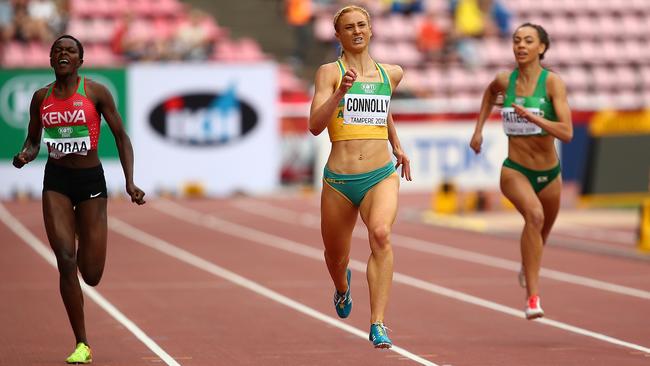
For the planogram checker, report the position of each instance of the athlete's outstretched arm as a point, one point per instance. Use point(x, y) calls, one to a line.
point(326, 97)
point(106, 107)
point(557, 91)
point(34, 131)
point(496, 87)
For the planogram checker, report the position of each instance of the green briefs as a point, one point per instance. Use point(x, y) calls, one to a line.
point(537, 178)
point(355, 186)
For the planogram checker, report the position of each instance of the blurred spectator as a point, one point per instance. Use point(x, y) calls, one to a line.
point(501, 17)
point(430, 38)
point(406, 7)
point(193, 38)
point(469, 25)
point(298, 14)
point(6, 20)
point(125, 41)
point(22, 29)
point(46, 18)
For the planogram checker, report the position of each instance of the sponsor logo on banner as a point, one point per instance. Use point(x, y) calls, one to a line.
point(203, 119)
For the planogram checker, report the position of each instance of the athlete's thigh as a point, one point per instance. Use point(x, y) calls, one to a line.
point(338, 218)
point(379, 206)
point(550, 199)
point(58, 216)
point(516, 187)
point(91, 228)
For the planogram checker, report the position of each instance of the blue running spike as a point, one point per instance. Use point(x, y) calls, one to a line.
point(343, 302)
point(379, 336)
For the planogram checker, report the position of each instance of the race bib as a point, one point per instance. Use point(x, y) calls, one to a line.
point(369, 110)
point(513, 124)
point(61, 141)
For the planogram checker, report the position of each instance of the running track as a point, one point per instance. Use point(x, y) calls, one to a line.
point(242, 281)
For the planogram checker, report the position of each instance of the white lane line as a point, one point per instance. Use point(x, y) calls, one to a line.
point(207, 266)
point(31, 240)
point(197, 218)
point(312, 221)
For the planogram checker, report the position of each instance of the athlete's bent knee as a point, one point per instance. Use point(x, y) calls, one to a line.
point(380, 237)
point(535, 218)
point(67, 264)
point(93, 278)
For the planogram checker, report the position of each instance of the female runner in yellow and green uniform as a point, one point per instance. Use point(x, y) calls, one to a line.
point(352, 100)
point(535, 112)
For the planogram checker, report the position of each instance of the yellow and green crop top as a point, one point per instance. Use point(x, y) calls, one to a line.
point(363, 111)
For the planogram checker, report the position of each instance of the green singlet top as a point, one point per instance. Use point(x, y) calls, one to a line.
point(538, 103)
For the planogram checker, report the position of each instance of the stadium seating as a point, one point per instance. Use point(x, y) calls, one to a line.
point(598, 47)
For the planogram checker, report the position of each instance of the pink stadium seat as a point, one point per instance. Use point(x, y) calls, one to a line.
point(143, 29)
point(413, 81)
point(164, 27)
point(37, 55)
point(604, 78)
point(167, 7)
point(14, 55)
point(323, 29)
point(381, 27)
point(634, 25)
point(118, 8)
point(645, 78)
point(383, 51)
point(609, 26)
point(143, 8)
point(97, 55)
point(576, 78)
point(249, 50)
point(409, 56)
point(79, 28)
point(225, 50)
point(101, 29)
point(81, 8)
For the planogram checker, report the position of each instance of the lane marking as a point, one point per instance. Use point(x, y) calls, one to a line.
point(312, 221)
point(44, 251)
point(197, 218)
point(184, 256)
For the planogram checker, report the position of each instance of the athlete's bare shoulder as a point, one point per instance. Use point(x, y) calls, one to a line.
point(502, 79)
point(95, 90)
point(328, 74)
point(554, 79)
point(39, 94)
point(94, 85)
point(395, 73)
point(330, 68)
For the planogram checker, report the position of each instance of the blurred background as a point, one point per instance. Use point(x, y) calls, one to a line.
point(215, 94)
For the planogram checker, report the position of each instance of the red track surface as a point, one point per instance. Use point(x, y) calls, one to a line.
point(202, 319)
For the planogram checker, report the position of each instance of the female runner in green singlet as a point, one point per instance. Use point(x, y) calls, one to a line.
point(535, 113)
point(351, 100)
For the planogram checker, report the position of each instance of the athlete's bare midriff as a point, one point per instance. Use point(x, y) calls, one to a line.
point(533, 152)
point(358, 156)
point(76, 161)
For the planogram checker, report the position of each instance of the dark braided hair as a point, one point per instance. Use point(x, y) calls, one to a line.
point(79, 46)
point(541, 33)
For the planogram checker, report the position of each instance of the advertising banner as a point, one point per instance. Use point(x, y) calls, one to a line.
point(17, 86)
point(212, 125)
